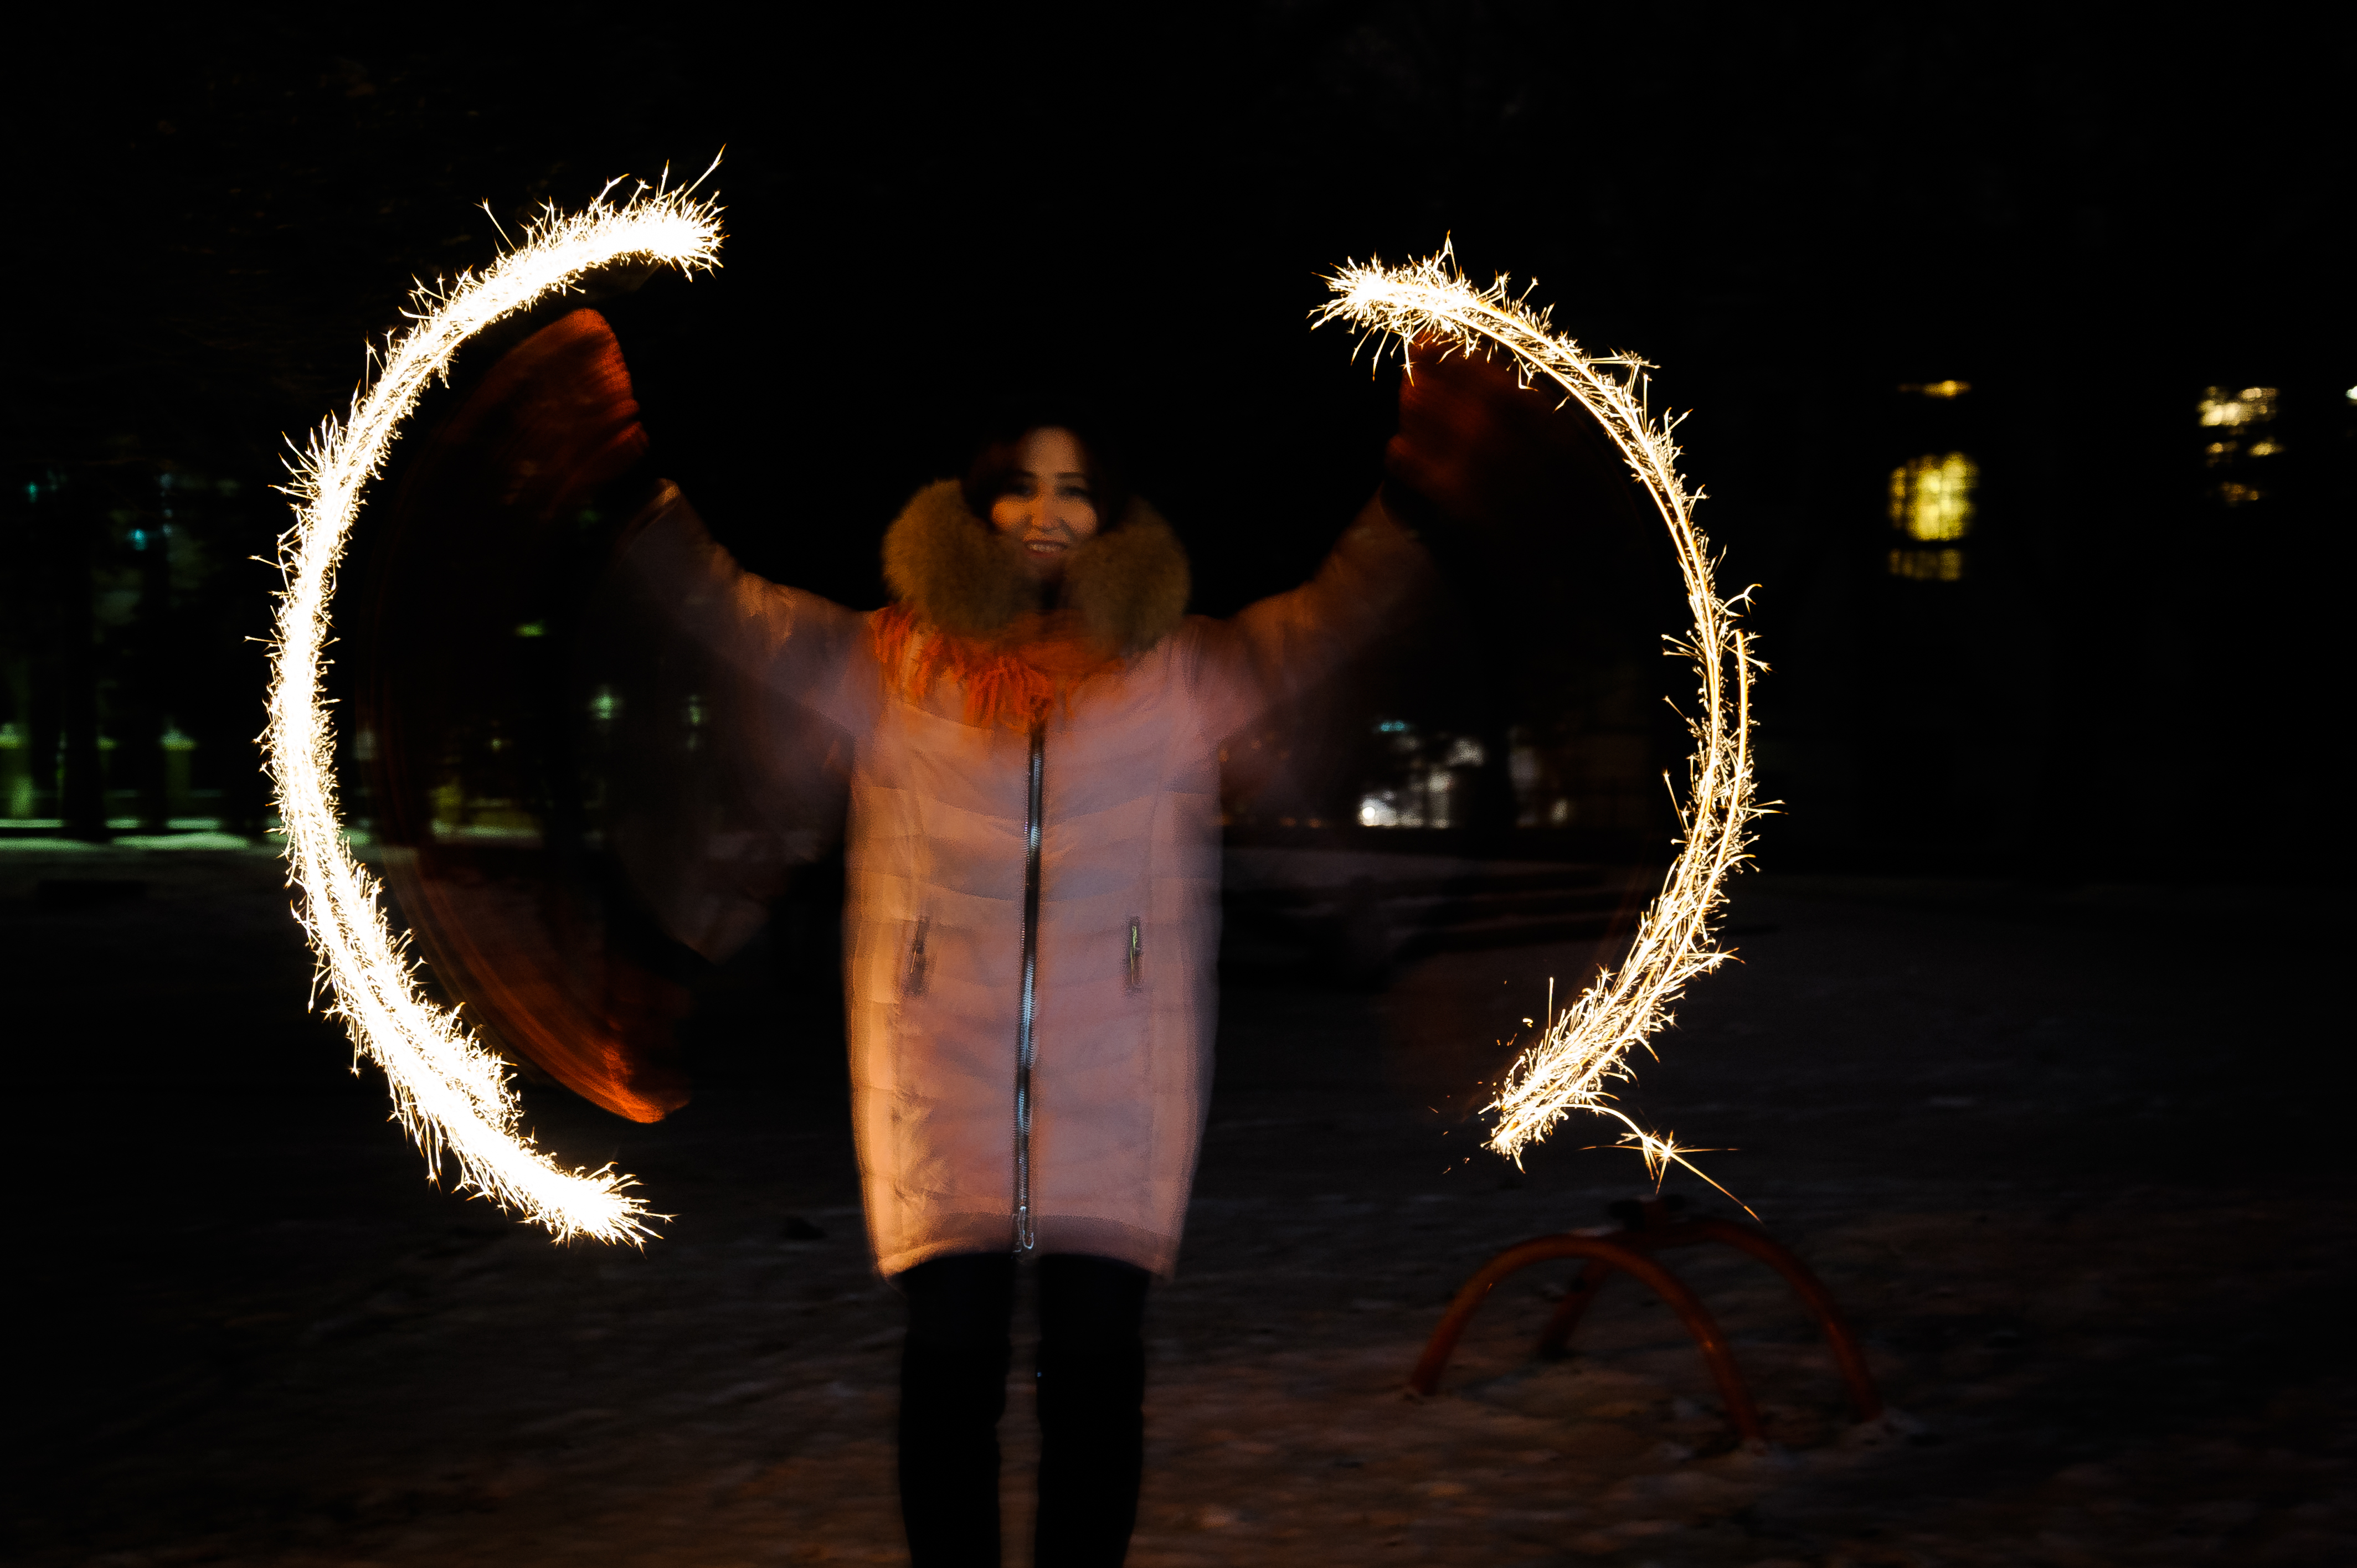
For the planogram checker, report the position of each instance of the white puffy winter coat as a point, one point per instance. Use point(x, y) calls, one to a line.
point(1032, 918)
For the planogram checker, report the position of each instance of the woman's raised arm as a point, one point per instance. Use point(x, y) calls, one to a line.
point(545, 689)
point(733, 704)
point(1281, 652)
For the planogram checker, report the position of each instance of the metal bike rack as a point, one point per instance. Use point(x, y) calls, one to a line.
point(1650, 1225)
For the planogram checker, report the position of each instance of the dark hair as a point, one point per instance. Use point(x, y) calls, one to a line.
point(992, 467)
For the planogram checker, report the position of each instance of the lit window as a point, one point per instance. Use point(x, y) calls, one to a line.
point(1937, 389)
point(1928, 565)
point(1931, 497)
point(2235, 420)
point(2222, 408)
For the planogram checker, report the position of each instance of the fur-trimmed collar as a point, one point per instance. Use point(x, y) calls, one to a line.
point(1127, 587)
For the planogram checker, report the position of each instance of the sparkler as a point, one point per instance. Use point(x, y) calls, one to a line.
point(1585, 1047)
point(450, 1093)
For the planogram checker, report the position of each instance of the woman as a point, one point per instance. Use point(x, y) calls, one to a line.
point(1034, 730)
point(1030, 743)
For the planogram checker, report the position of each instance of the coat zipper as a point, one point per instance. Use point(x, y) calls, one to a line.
point(914, 985)
point(1025, 1046)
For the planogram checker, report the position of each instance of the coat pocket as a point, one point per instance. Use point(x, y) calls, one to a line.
point(912, 978)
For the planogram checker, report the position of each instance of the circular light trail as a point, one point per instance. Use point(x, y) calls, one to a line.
point(450, 1093)
point(1585, 1047)
point(456, 1097)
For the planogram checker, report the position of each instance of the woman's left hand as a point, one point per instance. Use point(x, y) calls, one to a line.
point(1486, 452)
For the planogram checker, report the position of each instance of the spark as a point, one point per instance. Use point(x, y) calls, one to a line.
point(450, 1093)
point(1585, 1047)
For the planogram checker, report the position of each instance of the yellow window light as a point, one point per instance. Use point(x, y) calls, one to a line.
point(2225, 408)
point(1928, 565)
point(1931, 497)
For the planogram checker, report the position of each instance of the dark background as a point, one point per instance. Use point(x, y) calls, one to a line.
point(2070, 1151)
point(2089, 218)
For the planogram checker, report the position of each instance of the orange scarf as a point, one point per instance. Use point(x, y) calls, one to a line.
point(1014, 678)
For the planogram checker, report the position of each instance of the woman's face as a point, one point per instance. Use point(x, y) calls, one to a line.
point(1047, 508)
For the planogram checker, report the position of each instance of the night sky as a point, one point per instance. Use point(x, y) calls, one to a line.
point(2088, 219)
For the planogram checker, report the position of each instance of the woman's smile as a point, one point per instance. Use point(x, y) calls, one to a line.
point(1047, 505)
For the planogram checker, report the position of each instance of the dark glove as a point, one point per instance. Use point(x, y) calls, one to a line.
point(1484, 453)
point(554, 424)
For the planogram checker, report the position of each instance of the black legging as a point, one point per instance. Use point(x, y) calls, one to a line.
point(1091, 1392)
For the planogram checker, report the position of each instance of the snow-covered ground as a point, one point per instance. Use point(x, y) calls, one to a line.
point(2073, 1166)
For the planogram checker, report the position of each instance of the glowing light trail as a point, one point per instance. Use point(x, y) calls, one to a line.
point(450, 1093)
point(1585, 1047)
